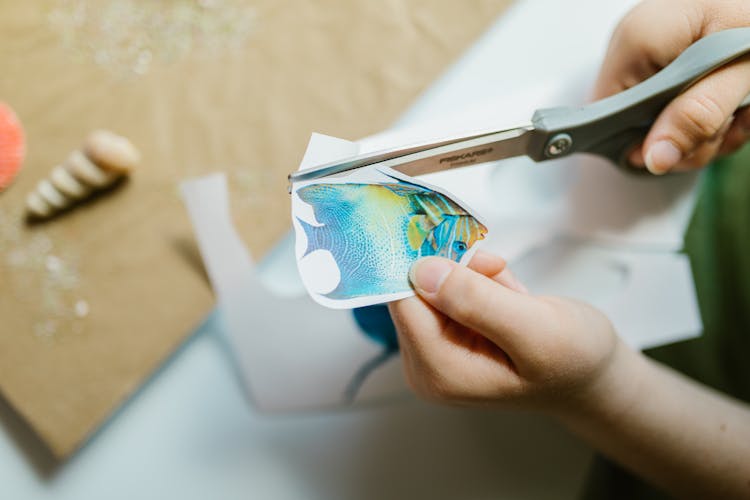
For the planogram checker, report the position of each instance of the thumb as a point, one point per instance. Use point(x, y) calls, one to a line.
point(478, 302)
point(696, 117)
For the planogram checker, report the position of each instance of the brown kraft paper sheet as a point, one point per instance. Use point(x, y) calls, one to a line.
point(94, 300)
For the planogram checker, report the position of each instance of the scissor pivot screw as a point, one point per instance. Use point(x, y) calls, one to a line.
point(558, 145)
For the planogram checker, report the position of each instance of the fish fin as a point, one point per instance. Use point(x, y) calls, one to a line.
point(405, 189)
point(406, 184)
point(429, 246)
point(419, 227)
point(326, 194)
point(308, 193)
point(426, 201)
point(312, 233)
point(441, 204)
point(440, 235)
point(340, 292)
point(315, 193)
point(436, 206)
point(422, 194)
point(480, 229)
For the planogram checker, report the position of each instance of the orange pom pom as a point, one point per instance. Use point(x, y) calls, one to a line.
point(12, 146)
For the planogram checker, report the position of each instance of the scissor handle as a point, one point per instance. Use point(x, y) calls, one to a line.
point(612, 126)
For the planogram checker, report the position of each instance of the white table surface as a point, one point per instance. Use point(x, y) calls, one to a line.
point(190, 432)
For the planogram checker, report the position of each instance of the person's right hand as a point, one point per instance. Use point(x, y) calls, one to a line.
point(701, 123)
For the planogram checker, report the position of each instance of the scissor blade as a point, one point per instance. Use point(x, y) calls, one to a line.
point(484, 149)
point(426, 158)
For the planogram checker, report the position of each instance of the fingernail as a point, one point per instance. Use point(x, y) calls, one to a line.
point(428, 274)
point(661, 157)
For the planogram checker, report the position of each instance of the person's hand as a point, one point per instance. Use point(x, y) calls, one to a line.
point(701, 123)
point(475, 335)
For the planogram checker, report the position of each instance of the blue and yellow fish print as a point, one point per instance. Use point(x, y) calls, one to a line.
point(374, 232)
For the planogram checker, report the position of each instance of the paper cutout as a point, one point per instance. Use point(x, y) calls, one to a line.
point(358, 234)
point(602, 206)
point(295, 355)
point(292, 353)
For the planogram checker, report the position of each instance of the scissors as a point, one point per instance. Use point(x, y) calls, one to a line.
point(610, 127)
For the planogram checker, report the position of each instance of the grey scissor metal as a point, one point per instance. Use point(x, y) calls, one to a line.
point(610, 127)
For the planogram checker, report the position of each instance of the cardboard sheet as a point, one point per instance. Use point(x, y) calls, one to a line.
point(127, 284)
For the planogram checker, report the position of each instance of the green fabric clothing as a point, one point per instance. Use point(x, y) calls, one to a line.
point(718, 245)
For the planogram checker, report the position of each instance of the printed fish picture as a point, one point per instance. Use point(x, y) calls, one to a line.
point(373, 230)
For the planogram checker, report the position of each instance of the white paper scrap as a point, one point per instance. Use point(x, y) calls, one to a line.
point(630, 210)
point(648, 296)
point(292, 353)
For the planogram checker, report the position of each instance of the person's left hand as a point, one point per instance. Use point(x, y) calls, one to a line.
point(475, 335)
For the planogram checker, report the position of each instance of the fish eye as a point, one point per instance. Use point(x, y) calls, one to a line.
point(459, 246)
